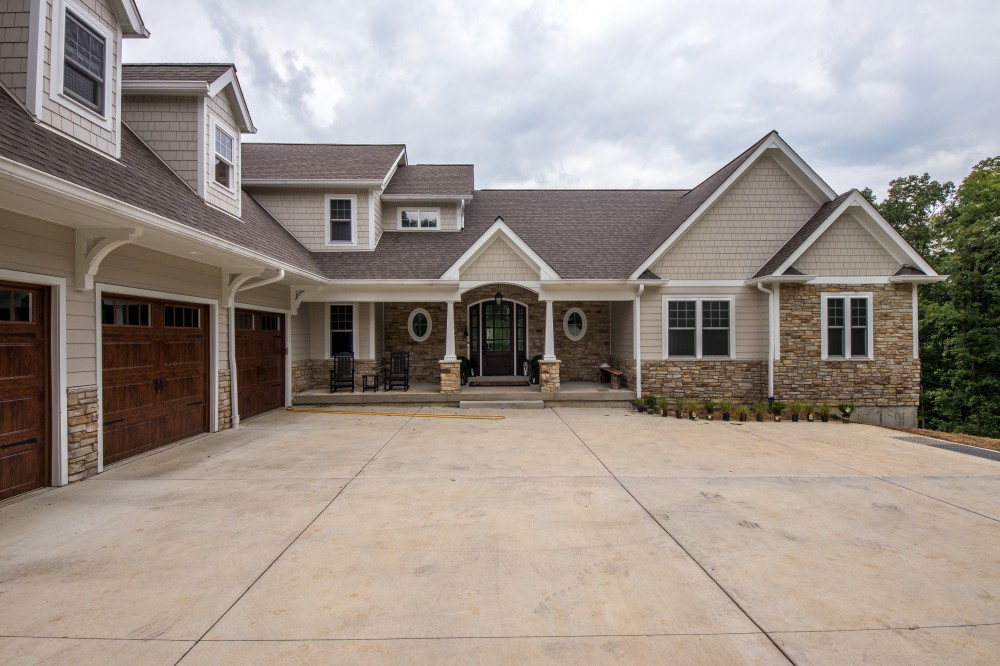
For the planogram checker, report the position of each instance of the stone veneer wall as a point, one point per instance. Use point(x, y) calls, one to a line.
point(742, 381)
point(225, 400)
point(536, 315)
point(581, 358)
point(891, 379)
point(317, 373)
point(301, 375)
point(626, 365)
point(82, 415)
point(424, 356)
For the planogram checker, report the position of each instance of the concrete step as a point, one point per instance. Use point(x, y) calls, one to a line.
point(501, 404)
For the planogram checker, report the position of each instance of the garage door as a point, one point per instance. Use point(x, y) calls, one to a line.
point(155, 374)
point(24, 389)
point(260, 361)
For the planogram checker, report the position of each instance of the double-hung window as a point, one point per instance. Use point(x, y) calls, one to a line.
point(341, 221)
point(847, 330)
point(341, 329)
point(84, 69)
point(419, 218)
point(224, 160)
point(698, 327)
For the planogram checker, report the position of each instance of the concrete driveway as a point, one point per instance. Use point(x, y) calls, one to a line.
point(554, 536)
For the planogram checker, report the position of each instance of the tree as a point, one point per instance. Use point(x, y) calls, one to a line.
point(915, 207)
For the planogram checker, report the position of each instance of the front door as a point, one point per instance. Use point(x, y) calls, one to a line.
point(498, 337)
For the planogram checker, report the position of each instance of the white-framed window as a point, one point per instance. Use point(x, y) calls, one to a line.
point(224, 157)
point(342, 323)
point(419, 218)
point(225, 162)
point(575, 324)
point(419, 324)
point(82, 62)
point(698, 327)
point(341, 219)
point(846, 322)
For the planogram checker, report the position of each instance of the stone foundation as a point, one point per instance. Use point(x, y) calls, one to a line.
point(316, 375)
point(301, 375)
point(548, 372)
point(740, 381)
point(82, 415)
point(451, 376)
point(225, 400)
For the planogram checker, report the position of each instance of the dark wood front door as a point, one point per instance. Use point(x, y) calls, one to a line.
point(25, 462)
point(498, 337)
point(260, 362)
point(155, 374)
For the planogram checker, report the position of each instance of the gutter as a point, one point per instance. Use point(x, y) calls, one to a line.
point(233, 381)
point(770, 339)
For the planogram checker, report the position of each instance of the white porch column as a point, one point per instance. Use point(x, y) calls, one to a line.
point(550, 339)
point(449, 335)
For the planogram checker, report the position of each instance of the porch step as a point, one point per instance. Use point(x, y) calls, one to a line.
point(501, 404)
point(503, 380)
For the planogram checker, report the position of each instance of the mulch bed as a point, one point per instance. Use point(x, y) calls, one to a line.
point(958, 438)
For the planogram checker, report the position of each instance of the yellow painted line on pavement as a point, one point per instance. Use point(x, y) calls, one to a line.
point(416, 415)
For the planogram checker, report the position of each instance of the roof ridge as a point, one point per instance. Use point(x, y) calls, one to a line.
point(180, 64)
point(739, 158)
point(581, 189)
point(293, 143)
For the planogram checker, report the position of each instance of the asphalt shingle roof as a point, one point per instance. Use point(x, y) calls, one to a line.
point(800, 236)
point(207, 72)
point(142, 180)
point(301, 161)
point(454, 180)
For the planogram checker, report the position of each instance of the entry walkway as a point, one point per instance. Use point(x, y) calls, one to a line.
point(580, 536)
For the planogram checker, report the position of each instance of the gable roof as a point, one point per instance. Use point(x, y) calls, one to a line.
point(288, 163)
point(431, 181)
point(201, 72)
point(142, 180)
point(800, 236)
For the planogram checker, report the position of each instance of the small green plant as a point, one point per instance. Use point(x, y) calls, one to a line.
point(742, 412)
point(663, 405)
point(796, 409)
point(679, 405)
point(637, 405)
point(777, 407)
point(845, 409)
point(726, 407)
point(824, 412)
point(710, 406)
point(649, 402)
point(760, 409)
point(810, 408)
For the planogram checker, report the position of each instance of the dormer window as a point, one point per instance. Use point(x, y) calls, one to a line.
point(84, 72)
point(223, 158)
point(422, 218)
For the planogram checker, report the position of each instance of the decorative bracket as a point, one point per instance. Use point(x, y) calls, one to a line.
point(299, 295)
point(231, 283)
point(92, 246)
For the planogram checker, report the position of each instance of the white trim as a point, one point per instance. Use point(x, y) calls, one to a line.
point(499, 229)
point(704, 283)
point(353, 198)
point(776, 290)
point(916, 323)
point(420, 209)
point(527, 329)
point(36, 57)
point(771, 142)
point(214, 335)
point(865, 279)
point(371, 330)
point(57, 63)
point(327, 354)
point(583, 330)
point(450, 198)
point(165, 87)
point(215, 124)
point(372, 241)
point(847, 296)
point(229, 80)
point(401, 158)
point(409, 324)
point(698, 355)
point(58, 423)
point(128, 14)
point(316, 182)
point(288, 343)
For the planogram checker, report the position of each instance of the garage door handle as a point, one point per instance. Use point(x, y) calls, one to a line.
point(112, 422)
point(195, 404)
point(30, 440)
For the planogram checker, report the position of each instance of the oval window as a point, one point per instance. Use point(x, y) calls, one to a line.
point(575, 324)
point(420, 325)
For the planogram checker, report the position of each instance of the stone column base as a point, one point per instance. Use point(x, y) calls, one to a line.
point(451, 376)
point(548, 376)
point(81, 403)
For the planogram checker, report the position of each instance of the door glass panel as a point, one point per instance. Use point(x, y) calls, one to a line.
point(497, 328)
point(474, 328)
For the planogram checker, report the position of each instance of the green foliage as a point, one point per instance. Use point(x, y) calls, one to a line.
point(916, 207)
point(760, 408)
point(650, 401)
point(742, 412)
point(825, 409)
point(845, 409)
point(726, 406)
point(777, 407)
point(709, 406)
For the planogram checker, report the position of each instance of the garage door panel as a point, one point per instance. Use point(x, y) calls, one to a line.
point(21, 469)
point(182, 352)
point(137, 394)
point(260, 362)
point(129, 355)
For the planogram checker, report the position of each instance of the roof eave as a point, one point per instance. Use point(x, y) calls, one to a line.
point(770, 279)
point(427, 197)
point(165, 87)
point(306, 182)
point(229, 79)
point(130, 19)
point(918, 279)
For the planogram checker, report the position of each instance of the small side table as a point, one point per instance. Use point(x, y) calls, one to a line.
point(369, 382)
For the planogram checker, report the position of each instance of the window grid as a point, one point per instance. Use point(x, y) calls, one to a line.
point(270, 323)
point(426, 218)
point(116, 312)
point(341, 329)
point(847, 327)
point(341, 215)
point(244, 321)
point(15, 306)
point(176, 316)
point(699, 328)
point(223, 158)
point(83, 73)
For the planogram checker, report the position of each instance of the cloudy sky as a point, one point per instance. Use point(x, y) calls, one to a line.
point(585, 93)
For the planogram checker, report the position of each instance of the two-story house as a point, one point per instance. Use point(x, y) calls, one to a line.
point(162, 278)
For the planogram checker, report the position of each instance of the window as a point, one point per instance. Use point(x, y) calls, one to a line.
point(846, 326)
point(84, 64)
point(699, 327)
point(15, 305)
point(341, 329)
point(419, 325)
point(419, 218)
point(341, 220)
point(575, 324)
point(177, 316)
point(270, 323)
point(223, 158)
point(116, 312)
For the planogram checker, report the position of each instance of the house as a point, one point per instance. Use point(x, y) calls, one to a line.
point(162, 278)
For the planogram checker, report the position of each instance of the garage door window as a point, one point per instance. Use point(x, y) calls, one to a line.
point(270, 323)
point(176, 316)
point(15, 305)
point(115, 312)
point(244, 321)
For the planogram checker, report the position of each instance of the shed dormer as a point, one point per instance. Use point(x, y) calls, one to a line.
point(193, 116)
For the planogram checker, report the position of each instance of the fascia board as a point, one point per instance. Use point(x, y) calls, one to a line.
point(165, 87)
point(426, 197)
point(130, 19)
point(325, 182)
point(229, 80)
point(918, 279)
point(20, 174)
point(497, 230)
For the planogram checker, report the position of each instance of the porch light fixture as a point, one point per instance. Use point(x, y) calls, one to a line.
point(498, 299)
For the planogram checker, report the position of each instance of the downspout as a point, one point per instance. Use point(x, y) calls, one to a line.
point(638, 341)
point(770, 339)
point(233, 402)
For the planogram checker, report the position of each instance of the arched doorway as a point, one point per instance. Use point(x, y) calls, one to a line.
point(498, 337)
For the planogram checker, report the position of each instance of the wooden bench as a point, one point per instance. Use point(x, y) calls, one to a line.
point(611, 375)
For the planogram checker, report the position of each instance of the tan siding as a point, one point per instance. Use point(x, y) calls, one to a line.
point(379, 330)
point(846, 249)
point(319, 320)
point(14, 46)
point(65, 118)
point(271, 296)
point(216, 195)
point(301, 211)
point(299, 335)
point(362, 332)
point(377, 223)
point(742, 230)
point(169, 125)
point(448, 220)
point(750, 320)
point(622, 329)
point(499, 262)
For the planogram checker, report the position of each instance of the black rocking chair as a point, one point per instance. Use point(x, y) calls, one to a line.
point(398, 372)
point(342, 374)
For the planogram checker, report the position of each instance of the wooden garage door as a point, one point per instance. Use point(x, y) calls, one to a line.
point(260, 361)
point(155, 374)
point(24, 389)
